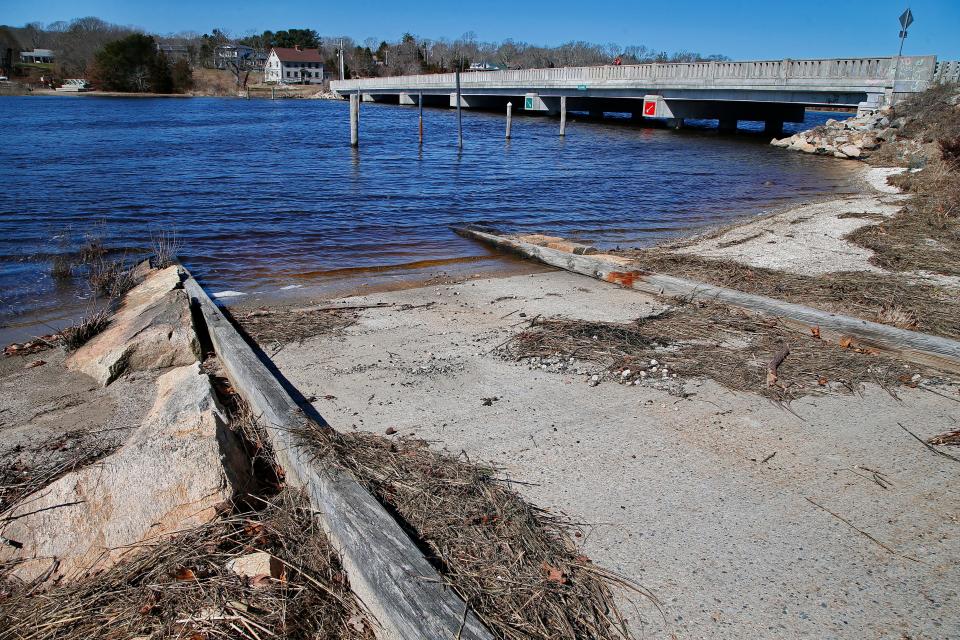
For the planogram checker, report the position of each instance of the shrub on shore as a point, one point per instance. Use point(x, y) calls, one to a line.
point(89, 326)
point(134, 65)
point(61, 267)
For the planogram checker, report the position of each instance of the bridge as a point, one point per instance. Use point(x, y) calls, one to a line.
point(773, 91)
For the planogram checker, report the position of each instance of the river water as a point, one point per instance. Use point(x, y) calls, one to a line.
point(268, 199)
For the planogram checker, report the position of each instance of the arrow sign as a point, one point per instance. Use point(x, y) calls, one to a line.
point(906, 19)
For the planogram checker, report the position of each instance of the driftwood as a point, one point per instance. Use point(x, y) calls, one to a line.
point(943, 353)
point(774, 363)
point(387, 571)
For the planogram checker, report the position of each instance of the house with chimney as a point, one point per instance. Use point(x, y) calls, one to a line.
point(293, 66)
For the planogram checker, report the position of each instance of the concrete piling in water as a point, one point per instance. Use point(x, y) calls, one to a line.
point(459, 114)
point(773, 128)
point(509, 118)
point(420, 106)
point(563, 115)
point(354, 119)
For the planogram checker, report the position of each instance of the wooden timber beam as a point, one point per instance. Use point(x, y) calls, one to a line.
point(936, 351)
point(387, 571)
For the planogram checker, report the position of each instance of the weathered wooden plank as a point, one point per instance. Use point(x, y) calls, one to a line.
point(386, 569)
point(937, 351)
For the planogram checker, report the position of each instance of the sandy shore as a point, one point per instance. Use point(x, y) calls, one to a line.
point(743, 518)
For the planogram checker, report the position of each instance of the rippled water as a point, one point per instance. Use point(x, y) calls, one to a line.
point(267, 195)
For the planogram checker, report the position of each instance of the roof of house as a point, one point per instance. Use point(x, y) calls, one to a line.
point(297, 55)
point(39, 53)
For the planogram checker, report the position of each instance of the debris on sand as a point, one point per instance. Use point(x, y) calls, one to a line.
point(739, 350)
point(281, 326)
point(514, 564)
point(878, 297)
point(951, 438)
point(36, 345)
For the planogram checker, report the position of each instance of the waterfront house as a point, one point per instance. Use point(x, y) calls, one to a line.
point(294, 66)
point(37, 55)
point(227, 56)
point(174, 52)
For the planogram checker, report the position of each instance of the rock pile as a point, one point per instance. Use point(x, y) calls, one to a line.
point(852, 138)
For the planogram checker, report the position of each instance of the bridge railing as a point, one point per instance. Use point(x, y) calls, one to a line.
point(947, 71)
point(878, 72)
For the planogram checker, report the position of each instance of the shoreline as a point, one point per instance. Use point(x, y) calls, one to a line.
point(507, 265)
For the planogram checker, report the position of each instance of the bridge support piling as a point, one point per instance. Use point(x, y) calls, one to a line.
point(773, 127)
point(459, 115)
point(563, 115)
point(727, 125)
point(509, 118)
point(420, 103)
point(354, 119)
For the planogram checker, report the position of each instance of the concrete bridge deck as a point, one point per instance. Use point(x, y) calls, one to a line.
point(776, 91)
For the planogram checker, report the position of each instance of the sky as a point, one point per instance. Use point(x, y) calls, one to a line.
point(743, 30)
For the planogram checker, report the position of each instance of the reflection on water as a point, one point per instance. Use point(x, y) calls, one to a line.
point(266, 194)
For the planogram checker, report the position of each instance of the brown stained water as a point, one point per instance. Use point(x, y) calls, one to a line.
point(268, 199)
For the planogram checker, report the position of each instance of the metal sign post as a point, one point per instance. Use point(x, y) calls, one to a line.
point(906, 19)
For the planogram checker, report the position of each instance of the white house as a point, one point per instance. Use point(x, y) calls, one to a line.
point(294, 66)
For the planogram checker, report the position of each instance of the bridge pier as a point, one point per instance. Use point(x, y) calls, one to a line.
point(409, 99)
point(773, 128)
point(727, 125)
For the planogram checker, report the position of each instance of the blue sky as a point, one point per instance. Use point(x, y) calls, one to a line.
point(740, 29)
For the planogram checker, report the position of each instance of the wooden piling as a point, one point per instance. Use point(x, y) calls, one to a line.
point(563, 115)
point(420, 103)
point(509, 118)
point(354, 119)
point(459, 114)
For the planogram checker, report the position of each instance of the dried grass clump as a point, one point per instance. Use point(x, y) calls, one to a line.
point(925, 234)
point(61, 267)
point(166, 246)
point(708, 340)
point(179, 587)
point(89, 326)
point(282, 326)
point(514, 564)
point(876, 297)
point(931, 115)
point(110, 278)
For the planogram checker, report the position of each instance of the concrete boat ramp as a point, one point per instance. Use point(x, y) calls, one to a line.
point(744, 519)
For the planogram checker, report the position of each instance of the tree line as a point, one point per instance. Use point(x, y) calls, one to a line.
point(126, 59)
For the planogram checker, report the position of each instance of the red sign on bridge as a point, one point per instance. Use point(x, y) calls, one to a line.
point(650, 108)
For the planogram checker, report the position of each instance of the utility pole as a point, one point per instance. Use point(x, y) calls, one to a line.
point(341, 59)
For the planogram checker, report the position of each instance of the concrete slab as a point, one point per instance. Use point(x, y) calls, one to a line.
point(674, 490)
